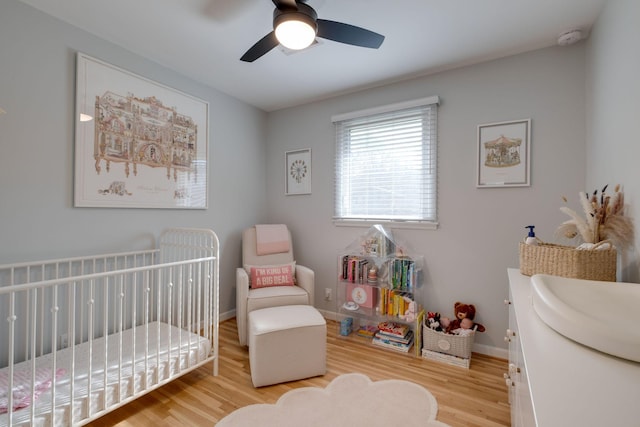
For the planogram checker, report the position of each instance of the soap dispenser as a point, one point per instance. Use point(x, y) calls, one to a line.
point(531, 237)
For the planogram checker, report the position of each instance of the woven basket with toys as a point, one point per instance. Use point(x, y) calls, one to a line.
point(453, 337)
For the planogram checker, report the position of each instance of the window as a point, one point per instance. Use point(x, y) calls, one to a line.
point(386, 163)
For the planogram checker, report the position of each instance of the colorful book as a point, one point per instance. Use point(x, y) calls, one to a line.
point(392, 345)
point(402, 274)
point(389, 310)
point(393, 328)
point(403, 340)
point(367, 331)
point(354, 269)
point(383, 301)
point(345, 265)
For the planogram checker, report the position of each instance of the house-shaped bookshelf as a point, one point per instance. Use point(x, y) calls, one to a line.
point(378, 287)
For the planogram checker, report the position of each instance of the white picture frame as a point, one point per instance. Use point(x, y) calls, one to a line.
point(298, 172)
point(504, 154)
point(139, 144)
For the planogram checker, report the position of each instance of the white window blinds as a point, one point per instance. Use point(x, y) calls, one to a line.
point(386, 163)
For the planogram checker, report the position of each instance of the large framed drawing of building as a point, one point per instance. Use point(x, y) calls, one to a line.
point(138, 144)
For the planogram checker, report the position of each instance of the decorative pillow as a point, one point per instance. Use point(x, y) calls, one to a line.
point(22, 387)
point(248, 267)
point(262, 276)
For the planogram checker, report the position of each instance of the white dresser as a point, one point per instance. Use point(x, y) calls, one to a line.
point(556, 382)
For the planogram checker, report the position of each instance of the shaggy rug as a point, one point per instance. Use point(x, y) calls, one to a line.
point(350, 400)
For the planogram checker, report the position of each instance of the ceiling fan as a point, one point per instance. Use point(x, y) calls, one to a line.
point(296, 25)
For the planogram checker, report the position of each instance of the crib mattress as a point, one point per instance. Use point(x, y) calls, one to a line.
point(89, 367)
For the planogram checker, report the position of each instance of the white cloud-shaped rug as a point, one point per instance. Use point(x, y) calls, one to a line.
point(350, 400)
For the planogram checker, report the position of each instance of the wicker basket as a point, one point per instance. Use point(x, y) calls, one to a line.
point(546, 258)
point(455, 345)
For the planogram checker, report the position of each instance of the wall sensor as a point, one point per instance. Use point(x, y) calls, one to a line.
point(569, 37)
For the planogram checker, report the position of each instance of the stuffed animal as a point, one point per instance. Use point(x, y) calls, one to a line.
point(466, 323)
point(412, 311)
point(464, 314)
point(444, 322)
point(433, 321)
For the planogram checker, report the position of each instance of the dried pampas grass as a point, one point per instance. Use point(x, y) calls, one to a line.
point(603, 219)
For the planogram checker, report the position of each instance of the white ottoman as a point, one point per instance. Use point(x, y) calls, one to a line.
point(286, 343)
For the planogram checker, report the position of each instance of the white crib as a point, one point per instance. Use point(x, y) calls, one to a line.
point(83, 336)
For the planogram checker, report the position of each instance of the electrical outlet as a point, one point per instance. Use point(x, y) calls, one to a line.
point(63, 341)
point(327, 294)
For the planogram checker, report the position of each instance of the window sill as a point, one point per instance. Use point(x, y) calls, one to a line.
point(416, 225)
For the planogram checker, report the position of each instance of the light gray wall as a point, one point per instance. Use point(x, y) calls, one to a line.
point(467, 257)
point(479, 229)
point(38, 220)
point(613, 111)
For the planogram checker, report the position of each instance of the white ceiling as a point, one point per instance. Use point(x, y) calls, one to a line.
point(204, 39)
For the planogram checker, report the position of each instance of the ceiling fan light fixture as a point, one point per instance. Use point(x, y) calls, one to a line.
point(295, 28)
point(295, 34)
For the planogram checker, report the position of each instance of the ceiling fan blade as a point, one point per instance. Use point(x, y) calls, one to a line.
point(263, 46)
point(349, 34)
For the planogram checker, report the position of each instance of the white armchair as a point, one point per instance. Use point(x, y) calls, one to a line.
point(248, 299)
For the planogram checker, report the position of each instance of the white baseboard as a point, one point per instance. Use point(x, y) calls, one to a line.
point(500, 353)
point(227, 315)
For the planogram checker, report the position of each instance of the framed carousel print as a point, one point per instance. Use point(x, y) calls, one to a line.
point(298, 172)
point(504, 154)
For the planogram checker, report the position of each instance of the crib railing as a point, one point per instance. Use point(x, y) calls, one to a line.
point(109, 311)
point(42, 272)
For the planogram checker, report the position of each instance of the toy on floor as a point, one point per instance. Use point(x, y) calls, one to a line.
point(464, 314)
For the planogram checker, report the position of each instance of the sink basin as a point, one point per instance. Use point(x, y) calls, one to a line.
point(602, 315)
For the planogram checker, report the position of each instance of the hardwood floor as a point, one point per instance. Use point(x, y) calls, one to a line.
point(473, 397)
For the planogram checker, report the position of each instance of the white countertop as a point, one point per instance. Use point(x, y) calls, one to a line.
point(570, 384)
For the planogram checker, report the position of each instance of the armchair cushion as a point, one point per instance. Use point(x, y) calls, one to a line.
point(271, 275)
point(276, 296)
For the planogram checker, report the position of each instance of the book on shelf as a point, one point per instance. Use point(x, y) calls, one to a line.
point(393, 335)
point(378, 245)
point(367, 331)
point(393, 302)
point(392, 345)
point(394, 328)
point(402, 273)
point(354, 269)
point(345, 264)
point(408, 338)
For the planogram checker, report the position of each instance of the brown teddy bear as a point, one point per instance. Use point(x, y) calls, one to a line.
point(464, 314)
